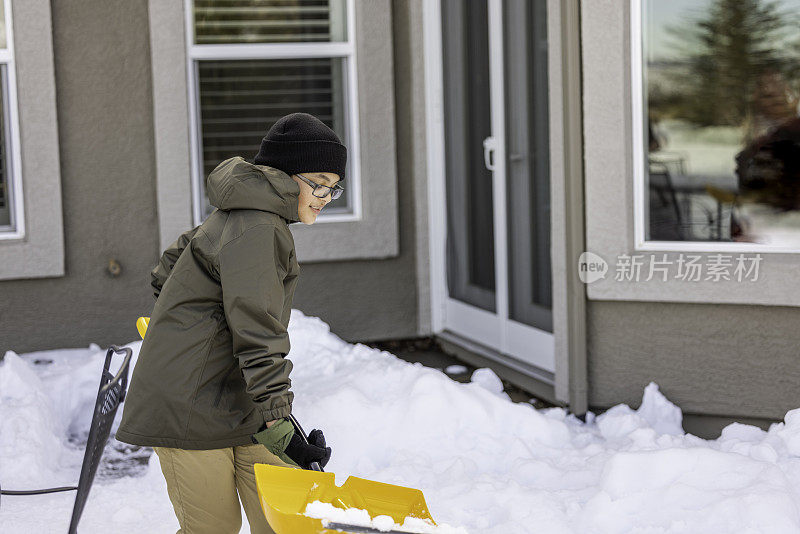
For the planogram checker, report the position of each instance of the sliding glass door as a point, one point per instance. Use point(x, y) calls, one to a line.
point(497, 194)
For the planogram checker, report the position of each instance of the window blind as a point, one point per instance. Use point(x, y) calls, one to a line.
point(268, 21)
point(241, 99)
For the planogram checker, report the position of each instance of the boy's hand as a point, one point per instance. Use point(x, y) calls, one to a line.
point(284, 442)
point(315, 450)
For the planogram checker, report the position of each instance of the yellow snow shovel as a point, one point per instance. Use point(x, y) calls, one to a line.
point(285, 492)
point(141, 325)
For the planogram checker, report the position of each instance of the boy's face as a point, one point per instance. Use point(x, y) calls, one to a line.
point(309, 206)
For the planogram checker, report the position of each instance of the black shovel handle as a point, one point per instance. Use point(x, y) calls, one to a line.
point(314, 465)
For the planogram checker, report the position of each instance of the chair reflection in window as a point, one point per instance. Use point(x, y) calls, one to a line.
point(683, 211)
point(681, 207)
point(666, 213)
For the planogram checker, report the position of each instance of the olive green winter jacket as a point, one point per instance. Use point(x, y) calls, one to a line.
point(211, 369)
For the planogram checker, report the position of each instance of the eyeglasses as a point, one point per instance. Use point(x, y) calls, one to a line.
point(321, 191)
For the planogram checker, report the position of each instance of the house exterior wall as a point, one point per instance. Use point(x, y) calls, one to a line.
point(715, 359)
point(378, 299)
point(726, 349)
point(35, 246)
point(412, 141)
point(106, 134)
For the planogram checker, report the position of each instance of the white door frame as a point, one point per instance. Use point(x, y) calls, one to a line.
point(498, 168)
point(494, 330)
point(434, 132)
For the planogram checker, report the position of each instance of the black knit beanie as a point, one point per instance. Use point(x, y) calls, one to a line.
point(300, 142)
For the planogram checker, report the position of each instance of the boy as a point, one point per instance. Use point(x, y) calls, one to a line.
point(210, 390)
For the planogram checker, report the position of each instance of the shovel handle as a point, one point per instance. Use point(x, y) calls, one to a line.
point(314, 465)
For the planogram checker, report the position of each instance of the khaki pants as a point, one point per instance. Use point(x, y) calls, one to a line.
point(202, 486)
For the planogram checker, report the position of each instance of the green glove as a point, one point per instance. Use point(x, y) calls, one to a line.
point(276, 438)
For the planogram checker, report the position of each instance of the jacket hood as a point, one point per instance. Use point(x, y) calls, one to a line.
point(237, 184)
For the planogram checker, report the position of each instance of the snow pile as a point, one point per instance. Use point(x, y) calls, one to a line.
point(483, 463)
point(46, 403)
point(455, 369)
point(357, 517)
point(26, 417)
point(488, 380)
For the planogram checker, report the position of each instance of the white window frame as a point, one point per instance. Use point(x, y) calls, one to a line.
point(346, 50)
point(612, 144)
point(11, 111)
point(638, 108)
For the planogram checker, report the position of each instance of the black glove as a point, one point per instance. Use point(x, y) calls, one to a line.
point(313, 451)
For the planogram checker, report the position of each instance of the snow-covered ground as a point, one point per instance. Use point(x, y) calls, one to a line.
point(483, 462)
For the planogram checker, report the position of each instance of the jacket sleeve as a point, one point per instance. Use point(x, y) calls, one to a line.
point(253, 298)
point(161, 271)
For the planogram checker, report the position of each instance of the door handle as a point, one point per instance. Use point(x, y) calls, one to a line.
point(489, 148)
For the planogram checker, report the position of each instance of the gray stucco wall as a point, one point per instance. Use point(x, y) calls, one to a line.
point(409, 78)
point(105, 132)
point(377, 299)
point(725, 360)
point(736, 359)
point(105, 114)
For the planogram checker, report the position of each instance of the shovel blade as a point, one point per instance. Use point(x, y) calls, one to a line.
point(284, 493)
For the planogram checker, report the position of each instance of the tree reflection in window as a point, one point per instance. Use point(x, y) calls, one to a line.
point(722, 90)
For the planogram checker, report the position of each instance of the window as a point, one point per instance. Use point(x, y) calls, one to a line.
point(346, 41)
point(254, 61)
point(11, 216)
point(720, 124)
point(615, 133)
point(31, 243)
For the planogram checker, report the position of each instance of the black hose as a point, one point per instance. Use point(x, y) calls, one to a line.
point(38, 491)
